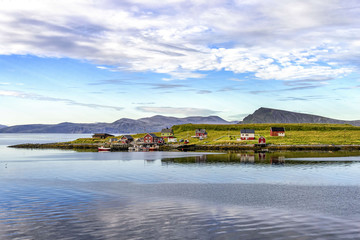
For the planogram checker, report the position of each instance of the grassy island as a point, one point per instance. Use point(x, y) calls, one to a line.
point(226, 137)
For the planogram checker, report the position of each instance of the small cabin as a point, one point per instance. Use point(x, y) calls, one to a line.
point(261, 140)
point(247, 134)
point(167, 133)
point(277, 131)
point(200, 133)
point(113, 140)
point(126, 139)
point(102, 135)
point(152, 138)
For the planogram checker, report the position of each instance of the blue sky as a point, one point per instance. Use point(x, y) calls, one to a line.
point(99, 61)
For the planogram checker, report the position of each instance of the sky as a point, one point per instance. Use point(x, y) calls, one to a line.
point(90, 61)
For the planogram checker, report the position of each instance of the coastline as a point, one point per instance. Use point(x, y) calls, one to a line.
point(193, 147)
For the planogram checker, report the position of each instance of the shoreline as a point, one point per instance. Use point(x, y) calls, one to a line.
point(223, 147)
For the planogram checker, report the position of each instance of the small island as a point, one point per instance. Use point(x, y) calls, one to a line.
point(208, 137)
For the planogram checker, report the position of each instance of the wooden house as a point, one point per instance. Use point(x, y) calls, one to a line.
point(200, 133)
point(167, 133)
point(247, 134)
point(261, 140)
point(102, 135)
point(277, 131)
point(152, 138)
point(126, 139)
point(113, 140)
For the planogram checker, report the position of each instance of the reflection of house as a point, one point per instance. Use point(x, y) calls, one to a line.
point(247, 158)
point(167, 132)
point(277, 131)
point(152, 138)
point(126, 139)
point(200, 133)
point(247, 134)
point(277, 160)
point(102, 135)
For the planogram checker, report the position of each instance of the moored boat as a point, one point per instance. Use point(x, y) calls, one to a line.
point(103, 149)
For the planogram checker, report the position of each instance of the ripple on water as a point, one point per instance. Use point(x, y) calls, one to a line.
point(66, 213)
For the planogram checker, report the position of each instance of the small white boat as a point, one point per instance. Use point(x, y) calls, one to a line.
point(103, 149)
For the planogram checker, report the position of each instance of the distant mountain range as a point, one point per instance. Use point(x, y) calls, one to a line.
point(124, 125)
point(268, 115)
point(2, 126)
point(158, 122)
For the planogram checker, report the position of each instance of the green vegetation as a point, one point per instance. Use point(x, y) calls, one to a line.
point(225, 136)
point(296, 134)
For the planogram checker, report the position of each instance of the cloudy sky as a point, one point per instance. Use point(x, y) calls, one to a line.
point(98, 61)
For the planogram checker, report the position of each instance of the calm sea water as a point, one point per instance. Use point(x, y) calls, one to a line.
point(57, 194)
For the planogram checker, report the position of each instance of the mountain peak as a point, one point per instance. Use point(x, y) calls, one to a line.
point(269, 115)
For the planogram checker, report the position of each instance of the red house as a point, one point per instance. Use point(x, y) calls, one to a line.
point(152, 138)
point(262, 140)
point(277, 131)
point(126, 139)
point(200, 133)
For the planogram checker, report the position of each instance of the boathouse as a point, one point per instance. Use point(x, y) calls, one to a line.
point(102, 135)
point(200, 133)
point(247, 134)
point(277, 131)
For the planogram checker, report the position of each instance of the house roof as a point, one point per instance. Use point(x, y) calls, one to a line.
point(102, 134)
point(167, 130)
point(200, 131)
point(277, 129)
point(153, 135)
point(247, 131)
point(127, 137)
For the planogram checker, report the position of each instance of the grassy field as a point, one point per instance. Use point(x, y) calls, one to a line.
point(296, 134)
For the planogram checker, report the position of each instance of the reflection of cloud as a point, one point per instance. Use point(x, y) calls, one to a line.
point(34, 96)
point(180, 110)
point(278, 39)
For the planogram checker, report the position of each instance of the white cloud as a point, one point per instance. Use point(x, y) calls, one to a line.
point(34, 96)
point(178, 111)
point(283, 40)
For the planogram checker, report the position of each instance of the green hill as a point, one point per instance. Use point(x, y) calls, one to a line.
point(295, 133)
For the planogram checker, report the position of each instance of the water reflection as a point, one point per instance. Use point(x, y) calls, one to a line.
point(273, 158)
point(121, 211)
